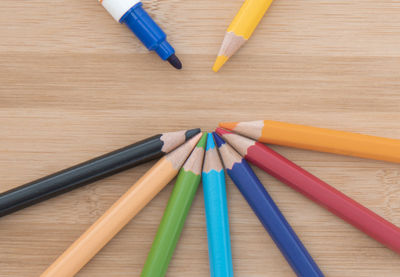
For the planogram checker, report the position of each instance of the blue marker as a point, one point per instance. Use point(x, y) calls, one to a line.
point(143, 26)
point(219, 242)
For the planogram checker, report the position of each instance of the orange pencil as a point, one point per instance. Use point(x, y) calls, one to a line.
point(319, 139)
point(120, 213)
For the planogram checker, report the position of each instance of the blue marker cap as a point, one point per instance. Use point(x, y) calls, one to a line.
point(149, 33)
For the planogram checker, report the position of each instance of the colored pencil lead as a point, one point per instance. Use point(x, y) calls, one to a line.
point(219, 62)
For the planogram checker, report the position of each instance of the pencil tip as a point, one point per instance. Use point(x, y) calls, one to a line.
point(174, 61)
point(203, 140)
point(180, 154)
point(210, 142)
point(191, 133)
point(228, 125)
point(219, 62)
point(218, 140)
point(222, 132)
point(194, 140)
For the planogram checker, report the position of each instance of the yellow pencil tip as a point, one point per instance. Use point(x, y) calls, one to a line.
point(228, 125)
point(219, 62)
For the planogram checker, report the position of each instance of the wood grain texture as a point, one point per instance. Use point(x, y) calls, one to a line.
point(74, 85)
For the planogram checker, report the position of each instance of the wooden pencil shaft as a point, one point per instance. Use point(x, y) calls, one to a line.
point(175, 214)
point(218, 235)
point(248, 17)
point(325, 195)
point(267, 212)
point(120, 213)
point(79, 175)
point(316, 189)
point(90, 171)
point(216, 210)
point(171, 225)
point(320, 139)
point(274, 221)
point(109, 224)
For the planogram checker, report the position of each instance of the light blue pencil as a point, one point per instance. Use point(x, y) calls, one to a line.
point(219, 242)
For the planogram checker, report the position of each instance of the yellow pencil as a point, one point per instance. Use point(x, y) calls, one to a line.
point(241, 28)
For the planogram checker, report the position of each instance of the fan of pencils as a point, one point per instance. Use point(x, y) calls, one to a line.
point(193, 156)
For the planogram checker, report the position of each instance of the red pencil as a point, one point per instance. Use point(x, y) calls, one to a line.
point(315, 189)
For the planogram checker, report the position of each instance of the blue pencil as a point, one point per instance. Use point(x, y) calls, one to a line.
point(219, 243)
point(267, 211)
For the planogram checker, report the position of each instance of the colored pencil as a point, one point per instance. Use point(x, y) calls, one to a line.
point(120, 213)
point(241, 28)
point(216, 208)
point(92, 170)
point(319, 139)
point(131, 13)
point(267, 212)
point(174, 217)
point(316, 189)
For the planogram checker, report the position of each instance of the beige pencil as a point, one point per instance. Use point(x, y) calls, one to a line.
point(120, 213)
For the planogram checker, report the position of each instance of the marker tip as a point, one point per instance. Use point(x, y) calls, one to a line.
point(174, 61)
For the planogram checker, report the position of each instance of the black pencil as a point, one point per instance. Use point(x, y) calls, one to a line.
point(92, 170)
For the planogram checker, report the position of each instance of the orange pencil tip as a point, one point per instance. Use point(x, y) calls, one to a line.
point(228, 125)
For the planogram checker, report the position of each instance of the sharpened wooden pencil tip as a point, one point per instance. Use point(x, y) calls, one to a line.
point(219, 62)
point(228, 125)
point(222, 132)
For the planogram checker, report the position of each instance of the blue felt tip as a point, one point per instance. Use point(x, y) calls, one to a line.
point(218, 140)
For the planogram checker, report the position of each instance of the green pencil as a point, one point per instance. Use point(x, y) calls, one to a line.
point(175, 213)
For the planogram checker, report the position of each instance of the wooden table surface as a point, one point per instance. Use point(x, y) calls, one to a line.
point(74, 84)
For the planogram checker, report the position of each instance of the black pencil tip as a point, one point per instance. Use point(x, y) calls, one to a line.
point(191, 133)
point(174, 61)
